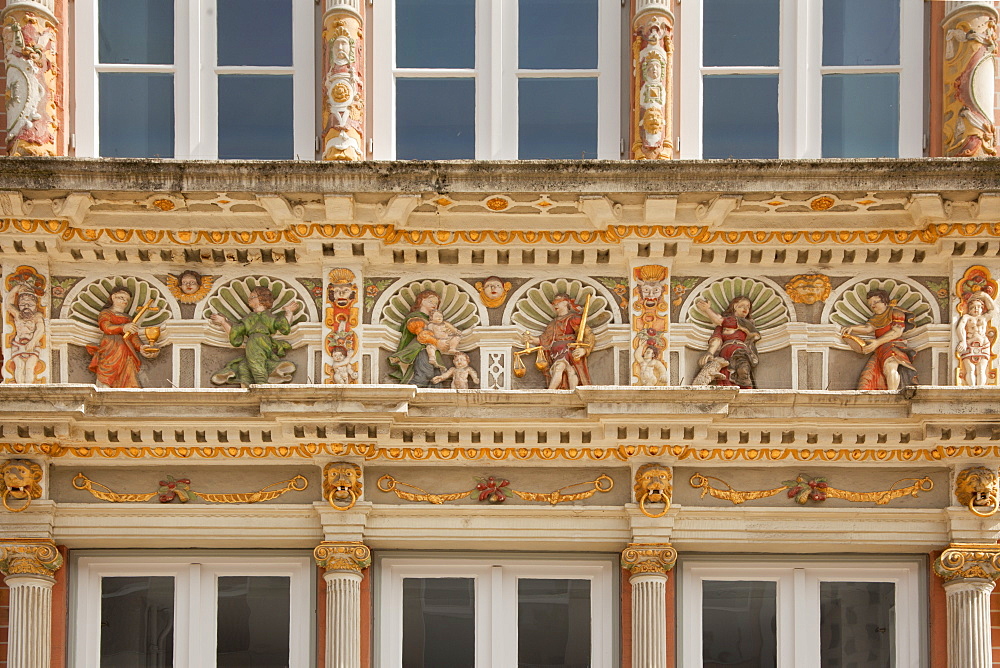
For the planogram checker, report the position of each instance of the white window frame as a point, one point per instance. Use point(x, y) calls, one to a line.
point(196, 75)
point(496, 75)
point(195, 599)
point(495, 603)
point(800, 78)
point(798, 604)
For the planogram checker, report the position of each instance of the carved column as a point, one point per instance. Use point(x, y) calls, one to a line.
point(27, 566)
point(652, 81)
point(648, 563)
point(970, 70)
point(343, 563)
point(30, 45)
point(343, 81)
point(969, 572)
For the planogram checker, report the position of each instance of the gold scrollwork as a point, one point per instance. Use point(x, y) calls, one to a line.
point(649, 558)
point(352, 556)
point(29, 557)
point(805, 488)
point(268, 493)
point(494, 491)
point(969, 561)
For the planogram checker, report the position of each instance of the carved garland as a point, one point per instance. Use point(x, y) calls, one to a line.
point(805, 488)
point(178, 488)
point(495, 490)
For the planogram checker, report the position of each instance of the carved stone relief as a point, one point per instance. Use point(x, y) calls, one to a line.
point(976, 331)
point(650, 321)
point(30, 42)
point(25, 344)
point(970, 70)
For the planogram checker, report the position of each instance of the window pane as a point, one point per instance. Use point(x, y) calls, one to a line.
point(860, 115)
point(557, 119)
point(860, 32)
point(255, 117)
point(739, 624)
point(255, 32)
point(439, 623)
point(740, 116)
point(253, 622)
point(741, 32)
point(435, 119)
point(857, 624)
point(136, 117)
point(136, 31)
point(553, 623)
point(572, 46)
point(421, 41)
point(137, 622)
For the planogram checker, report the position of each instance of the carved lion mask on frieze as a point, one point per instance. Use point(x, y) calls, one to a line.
point(20, 479)
point(978, 487)
point(342, 484)
point(653, 484)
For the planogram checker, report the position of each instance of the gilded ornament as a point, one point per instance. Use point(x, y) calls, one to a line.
point(342, 484)
point(978, 488)
point(969, 561)
point(20, 480)
point(495, 490)
point(976, 330)
point(342, 556)
point(806, 488)
point(179, 489)
point(821, 203)
point(164, 204)
point(189, 287)
point(653, 484)
point(493, 291)
point(25, 311)
point(29, 557)
point(341, 320)
point(497, 203)
point(808, 288)
point(657, 558)
point(650, 320)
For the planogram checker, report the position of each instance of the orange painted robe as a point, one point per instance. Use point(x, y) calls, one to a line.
point(116, 361)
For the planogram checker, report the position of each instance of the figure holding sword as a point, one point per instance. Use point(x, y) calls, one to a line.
point(116, 359)
point(564, 345)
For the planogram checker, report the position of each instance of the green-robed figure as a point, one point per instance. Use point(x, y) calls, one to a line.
point(411, 359)
point(262, 361)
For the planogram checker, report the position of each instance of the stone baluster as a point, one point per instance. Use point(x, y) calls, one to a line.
point(343, 71)
point(343, 563)
point(649, 563)
point(652, 54)
point(28, 566)
point(30, 41)
point(969, 572)
point(970, 71)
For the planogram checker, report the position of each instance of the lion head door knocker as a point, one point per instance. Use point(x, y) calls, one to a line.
point(342, 484)
point(21, 480)
point(977, 488)
point(653, 486)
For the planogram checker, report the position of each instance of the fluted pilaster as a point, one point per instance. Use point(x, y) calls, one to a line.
point(343, 563)
point(649, 563)
point(969, 572)
point(28, 567)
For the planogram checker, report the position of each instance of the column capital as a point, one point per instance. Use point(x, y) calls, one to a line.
point(29, 556)
point(650, 558)
point(969, 561)
point(351, 556)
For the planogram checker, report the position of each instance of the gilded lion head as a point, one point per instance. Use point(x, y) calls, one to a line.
point(977, 486)
point(20, 479)
point(342, 482)
point(653, 485)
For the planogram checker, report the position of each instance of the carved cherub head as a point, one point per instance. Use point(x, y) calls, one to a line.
point(808, 288)
point(493, 291)
point(20, 479)
point(653, 485)
point(342, 482)
point(978, 487)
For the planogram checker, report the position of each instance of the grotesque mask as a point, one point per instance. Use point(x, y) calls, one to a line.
point(21, 480)
point(342, 483)
point(977, 487)
point(653, 485)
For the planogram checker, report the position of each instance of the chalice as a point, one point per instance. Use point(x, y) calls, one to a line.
point(152, 334)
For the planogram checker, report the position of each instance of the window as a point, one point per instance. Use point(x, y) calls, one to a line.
point(801, 78)
point(496, 79)
point(465, 613)
point(227, 79)
point(810, 614)
point(218, 613)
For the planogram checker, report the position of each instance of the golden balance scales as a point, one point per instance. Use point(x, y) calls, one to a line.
point(541, 363)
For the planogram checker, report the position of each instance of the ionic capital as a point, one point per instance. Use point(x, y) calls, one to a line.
point(655, 558)
point(29, 557)
point(343, 556)
point(969, 561)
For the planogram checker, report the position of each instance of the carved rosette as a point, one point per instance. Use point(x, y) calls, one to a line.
point(650, 321)
point(657, 558)
point(970, 70)
point(652, 81)
point(971, 561)
point(343, 81)
point(343, 556)
point(29, 557)
point(30, 41)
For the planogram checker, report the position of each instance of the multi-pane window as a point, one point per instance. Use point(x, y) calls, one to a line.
point(227, 79)
point(497, 79)
point(476, 614)
point(162, 612)
point(801, 78)
point(865, 615)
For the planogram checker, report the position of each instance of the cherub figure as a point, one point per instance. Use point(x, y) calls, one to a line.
point(652, 371)
point(446, 337)
point(974, 344)
point(460, 374)
point(343, 374)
